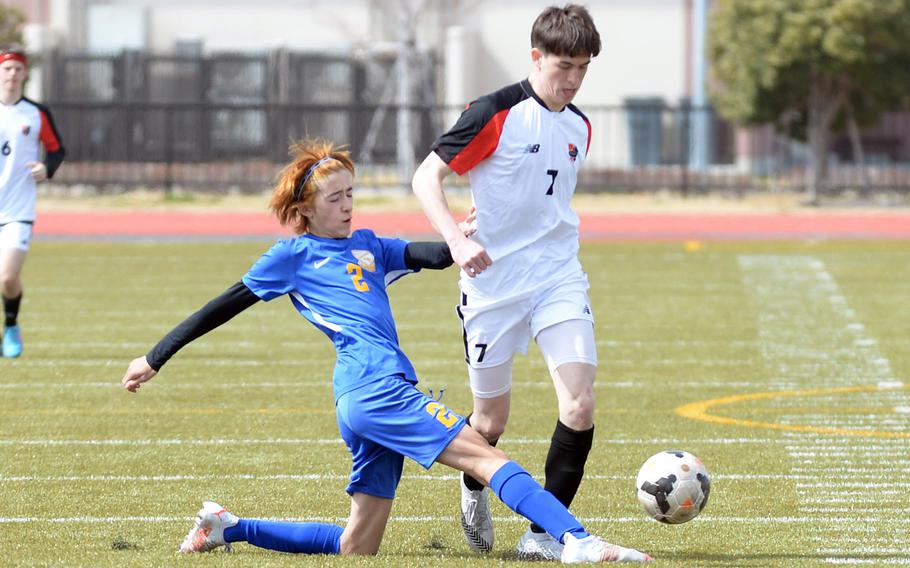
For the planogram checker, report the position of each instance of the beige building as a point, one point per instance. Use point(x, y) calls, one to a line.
point(481, 44)
point(645, 42)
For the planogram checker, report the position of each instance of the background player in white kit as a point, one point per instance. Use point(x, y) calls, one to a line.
point(522, 147)
point(24, 127)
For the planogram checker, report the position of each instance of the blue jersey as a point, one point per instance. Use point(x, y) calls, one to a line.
point(340, 286)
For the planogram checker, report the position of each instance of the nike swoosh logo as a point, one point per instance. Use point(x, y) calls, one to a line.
point(320, 263)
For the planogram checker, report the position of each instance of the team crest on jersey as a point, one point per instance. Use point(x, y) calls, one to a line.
point(573, 152)
point(365, 259)
point(26, 129)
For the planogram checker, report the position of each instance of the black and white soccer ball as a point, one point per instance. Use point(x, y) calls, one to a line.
point(673, 486)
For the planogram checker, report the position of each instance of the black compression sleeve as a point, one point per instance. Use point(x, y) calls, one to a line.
point(52, 161)
point(427, 255)
point(218, 311)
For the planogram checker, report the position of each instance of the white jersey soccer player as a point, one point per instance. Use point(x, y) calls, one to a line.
point(24, 127)
point(522, 161)
point(522, 148)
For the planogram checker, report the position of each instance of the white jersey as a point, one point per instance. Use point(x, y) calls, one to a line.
point(24, 126)
point(523, 162)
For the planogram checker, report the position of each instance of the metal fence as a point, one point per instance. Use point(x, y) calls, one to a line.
point(225, 121)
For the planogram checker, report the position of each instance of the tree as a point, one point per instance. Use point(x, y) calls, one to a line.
point(810, 67)
point(11, 22)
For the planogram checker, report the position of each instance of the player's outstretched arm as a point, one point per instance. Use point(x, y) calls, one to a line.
point(218, 311)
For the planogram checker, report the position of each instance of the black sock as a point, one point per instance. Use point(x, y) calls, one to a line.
point(11, 309)
point(566, 463)
point(469, 481)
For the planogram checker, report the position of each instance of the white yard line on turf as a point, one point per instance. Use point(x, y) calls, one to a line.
point(811, 336)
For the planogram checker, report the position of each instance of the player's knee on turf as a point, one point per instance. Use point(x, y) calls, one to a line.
point(354, 544)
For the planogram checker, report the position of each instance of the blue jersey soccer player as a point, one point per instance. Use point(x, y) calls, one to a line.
point(337, 280)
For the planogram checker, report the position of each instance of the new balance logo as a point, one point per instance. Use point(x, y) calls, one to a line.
point(532, 148)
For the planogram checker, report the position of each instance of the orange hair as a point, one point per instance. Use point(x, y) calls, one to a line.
point(299, 180)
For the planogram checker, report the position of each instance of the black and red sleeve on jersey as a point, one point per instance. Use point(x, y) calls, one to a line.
point(50, 137)
point(574, 109)
point(476, 134)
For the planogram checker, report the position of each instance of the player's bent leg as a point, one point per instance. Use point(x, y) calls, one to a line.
point(491, 388)
point(492, 401)
point(11, 262)
point(573, 435)
point(366, 525)
point(362, 535)
point(518, 490)
point(574, 384)
point(224, 528)
point(570, 352)
point(476, 519)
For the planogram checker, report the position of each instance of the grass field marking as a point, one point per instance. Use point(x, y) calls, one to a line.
point(338, 441)
point(228, 385)
point(702, 519)
point(175, 442)
point(812, 337)
point(700, 411)
point(425, 477)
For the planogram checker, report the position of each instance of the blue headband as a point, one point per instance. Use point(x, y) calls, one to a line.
point(309, 173)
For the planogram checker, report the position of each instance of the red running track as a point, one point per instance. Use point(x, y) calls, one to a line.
point(601, 227)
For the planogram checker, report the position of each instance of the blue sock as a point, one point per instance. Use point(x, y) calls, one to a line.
point(516, 488)
point(308, 538)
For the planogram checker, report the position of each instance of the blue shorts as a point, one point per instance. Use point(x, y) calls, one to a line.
point(383, 422)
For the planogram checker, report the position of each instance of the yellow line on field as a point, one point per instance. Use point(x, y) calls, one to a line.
point(700, 411)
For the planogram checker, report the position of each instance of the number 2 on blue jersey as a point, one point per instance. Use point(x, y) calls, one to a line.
point(357, 277)
point(442, 414)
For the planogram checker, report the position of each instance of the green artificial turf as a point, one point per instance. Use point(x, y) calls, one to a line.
point(799, 349)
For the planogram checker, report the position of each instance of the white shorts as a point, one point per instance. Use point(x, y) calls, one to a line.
point(15, 235)
point(494, 333)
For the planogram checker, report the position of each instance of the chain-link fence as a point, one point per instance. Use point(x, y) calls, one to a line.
point(137, 119)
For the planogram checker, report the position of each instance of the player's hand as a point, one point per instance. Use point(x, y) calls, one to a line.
point(470, 256)
point(137, 373)
point(38, 170)
point(469, 225)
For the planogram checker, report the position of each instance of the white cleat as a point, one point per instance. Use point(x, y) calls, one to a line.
point(538, 546)
point(595, 549)
point(208, 530)
point(475, 518)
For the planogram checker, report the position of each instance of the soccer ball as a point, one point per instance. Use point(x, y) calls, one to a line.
point(673, 486)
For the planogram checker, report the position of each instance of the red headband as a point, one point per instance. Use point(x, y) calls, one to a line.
point(14, 56)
